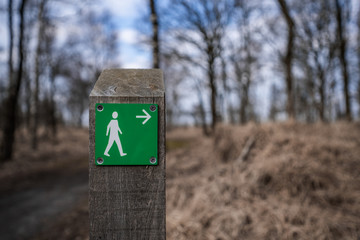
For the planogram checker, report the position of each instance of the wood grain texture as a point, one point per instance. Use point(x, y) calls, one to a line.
point(129, 83)
point(127, 202)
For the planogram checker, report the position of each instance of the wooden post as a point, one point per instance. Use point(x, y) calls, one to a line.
point(128, 202)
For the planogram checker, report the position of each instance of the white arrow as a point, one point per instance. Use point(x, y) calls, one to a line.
point(147, 116)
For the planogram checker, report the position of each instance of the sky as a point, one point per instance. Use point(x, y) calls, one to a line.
point(125, 13)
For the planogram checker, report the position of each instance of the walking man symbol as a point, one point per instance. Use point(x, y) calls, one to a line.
point(114, 128)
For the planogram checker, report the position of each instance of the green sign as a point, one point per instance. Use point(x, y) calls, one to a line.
point(126, 134)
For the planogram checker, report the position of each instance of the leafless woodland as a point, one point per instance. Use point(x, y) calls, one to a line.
point(263, 106)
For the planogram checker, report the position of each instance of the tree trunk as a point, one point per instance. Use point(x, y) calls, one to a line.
point(52, 113)
point(211, 76)
point(288, 59)
point(13, 96)
point(226, 109)
point(155, 35)
point(358, 53)
point(11, 41)
point(202, 111)
point(40, 38)
point(10, 57)
point(342, 45)
point(244, 103)
point(203, 119)
point(28, 98)
point(244, 118)
point(322, 96)
point(321, 88)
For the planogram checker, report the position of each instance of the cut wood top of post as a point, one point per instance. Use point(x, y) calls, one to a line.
point(130, 83)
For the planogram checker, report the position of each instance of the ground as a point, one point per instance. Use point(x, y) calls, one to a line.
point(268, 181)
point(42, 190)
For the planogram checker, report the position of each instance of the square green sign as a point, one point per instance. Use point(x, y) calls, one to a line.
point(126, 134)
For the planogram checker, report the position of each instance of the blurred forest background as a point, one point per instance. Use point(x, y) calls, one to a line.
point(227, 65)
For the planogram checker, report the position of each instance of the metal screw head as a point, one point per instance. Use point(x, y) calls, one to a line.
point(100, 160)
point(100, 108)
point(152, 108)
point(152, 160)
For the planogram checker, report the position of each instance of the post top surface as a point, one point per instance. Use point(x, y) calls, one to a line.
point(129, 83)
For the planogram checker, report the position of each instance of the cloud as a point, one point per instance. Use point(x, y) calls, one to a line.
point(132, 54)
point(123, 8)
point(132, 57)
point(129, 36)
point(136, 61)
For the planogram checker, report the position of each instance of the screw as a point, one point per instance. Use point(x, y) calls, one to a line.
point(100, 108)
point(100, 160)
point(152, 108)
point(152, 160)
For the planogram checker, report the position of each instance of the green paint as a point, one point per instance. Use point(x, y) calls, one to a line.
point(139, 138)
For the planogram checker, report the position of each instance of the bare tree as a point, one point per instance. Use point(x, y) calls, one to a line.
point(40, 39)
point(342, 16)
point(11, 40)
point(226, 106)
point(13, 95)
point(205, 21)
point(26, 93)
point(358, 58)
point(82, 68)
point(10, 56)
point(316, 52)
point(287, 59)
point(155, 34)
point(80, 76)
point(52, 120)
point(173, 77)
point(52, 62)
point(244, 57)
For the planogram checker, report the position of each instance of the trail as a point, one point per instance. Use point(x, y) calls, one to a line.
point(25, 210)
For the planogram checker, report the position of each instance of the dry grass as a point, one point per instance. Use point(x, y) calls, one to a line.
point(299, 182)
point(68, 151)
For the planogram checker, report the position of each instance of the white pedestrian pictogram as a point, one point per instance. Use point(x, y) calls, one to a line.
point(114, 128)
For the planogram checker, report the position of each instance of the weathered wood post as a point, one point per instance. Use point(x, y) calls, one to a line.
point(127, 155)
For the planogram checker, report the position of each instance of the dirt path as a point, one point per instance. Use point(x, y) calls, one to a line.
point(29, 206)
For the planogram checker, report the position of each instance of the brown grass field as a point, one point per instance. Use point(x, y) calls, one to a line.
point(297, 181)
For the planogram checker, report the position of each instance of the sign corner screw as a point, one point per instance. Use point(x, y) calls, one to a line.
point(100, 107)
point(100, 160)
point(152, 160)
point(152, 108)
